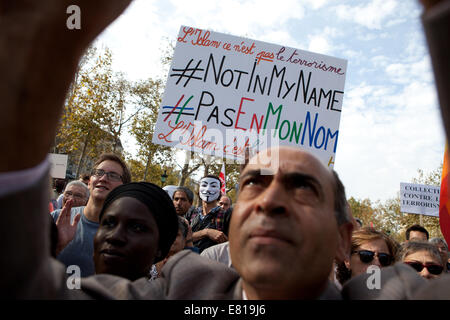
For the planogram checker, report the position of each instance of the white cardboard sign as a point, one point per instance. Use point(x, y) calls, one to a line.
point(58, 165)
point(419, 199)
point(227, 93)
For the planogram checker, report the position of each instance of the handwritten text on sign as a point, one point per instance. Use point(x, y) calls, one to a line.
point(419, 199)
point(226, 93)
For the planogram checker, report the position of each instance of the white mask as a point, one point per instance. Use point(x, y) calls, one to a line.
point(209, 189)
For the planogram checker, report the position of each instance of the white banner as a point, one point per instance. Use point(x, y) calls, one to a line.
point(227, 93)
point(58, 165)
point(419, 199)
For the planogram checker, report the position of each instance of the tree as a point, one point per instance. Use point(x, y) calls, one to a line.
point(395, 222)
point(187, 170)
point(362, 209)
point(148, 99)
point(92, 119)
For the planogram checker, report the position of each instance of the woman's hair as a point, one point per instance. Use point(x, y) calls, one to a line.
point(360, 237)
point(437, 241)
point(366, 234)
point(415, 246)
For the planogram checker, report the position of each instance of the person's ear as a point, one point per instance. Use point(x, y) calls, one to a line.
point(347, 263)
point(345, 242)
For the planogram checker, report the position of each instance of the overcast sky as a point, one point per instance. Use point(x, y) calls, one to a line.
point(390, 123)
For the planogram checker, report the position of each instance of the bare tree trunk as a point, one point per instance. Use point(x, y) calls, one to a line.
point(149, 158)
point(184, 171)
point(207, 163)
point(83, 153)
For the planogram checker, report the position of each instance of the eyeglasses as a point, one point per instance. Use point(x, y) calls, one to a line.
point(366, 256)
point(432, 268)
point(111, 175)
point(74, 195)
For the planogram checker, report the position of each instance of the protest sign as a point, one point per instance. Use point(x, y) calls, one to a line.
point(419, 199)
point(58, 165)
point(227, 93)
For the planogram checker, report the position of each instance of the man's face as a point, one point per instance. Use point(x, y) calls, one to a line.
point(77, 193)
point(224, 202)
point(283, 232)
point(417, 236)
point(100, 187)
point(181, 202)
point(209, 189)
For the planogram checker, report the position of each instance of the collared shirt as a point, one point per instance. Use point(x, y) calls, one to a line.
point(215, 221)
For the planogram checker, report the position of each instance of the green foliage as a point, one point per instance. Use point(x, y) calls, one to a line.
point(91, 121)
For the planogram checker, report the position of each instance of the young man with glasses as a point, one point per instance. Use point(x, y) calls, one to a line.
point(77, 226)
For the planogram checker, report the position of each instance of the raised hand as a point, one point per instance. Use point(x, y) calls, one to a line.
point(39, 56)
point(66, 228)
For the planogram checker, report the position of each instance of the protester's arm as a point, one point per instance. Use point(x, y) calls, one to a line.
point(66, 228)
point(38, 59)
point(213, 234)
point(436, 22)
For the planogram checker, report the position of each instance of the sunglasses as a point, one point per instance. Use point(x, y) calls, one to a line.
point(367, 256)
point(432, 268)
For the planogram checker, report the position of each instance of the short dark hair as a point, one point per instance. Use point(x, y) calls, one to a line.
point(126, 176)
point(416, 227)
point(189, 194)
point(59, 185)
point(413, 247)
point(340, 201)
point(84, 176)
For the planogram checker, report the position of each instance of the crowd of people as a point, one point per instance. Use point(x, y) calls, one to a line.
point(289, 234)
